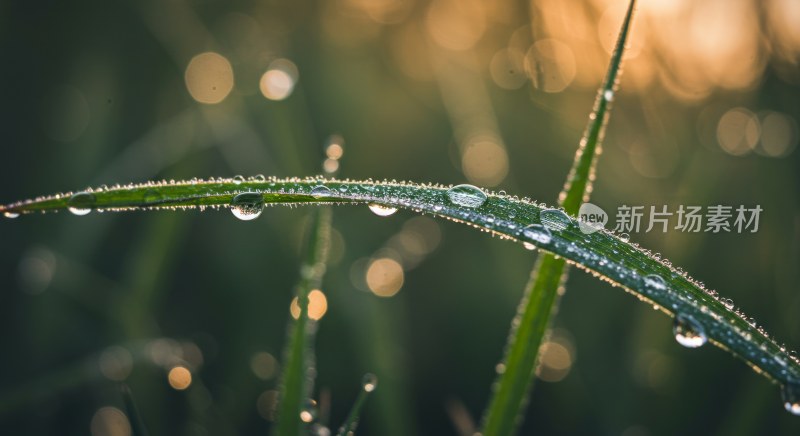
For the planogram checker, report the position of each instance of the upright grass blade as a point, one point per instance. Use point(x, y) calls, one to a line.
point(368, 384)
point(601, 253)
point(540, 301)
point(297, 381)
point(137, 425)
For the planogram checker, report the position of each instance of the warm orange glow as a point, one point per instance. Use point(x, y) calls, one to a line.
point(456, 24)
point(279, 80)
point(484, 162)
point(317, 305)
point(738, 131)
point(179, 378)
point(209, 78)
point(552, 64)
point(110, 421)
point(384, 277)
point(264, 365)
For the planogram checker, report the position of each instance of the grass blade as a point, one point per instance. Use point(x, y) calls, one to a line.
point(601, 253)
point(297, 382)
point(368, 384)
point(540, 300)
point(137, 425)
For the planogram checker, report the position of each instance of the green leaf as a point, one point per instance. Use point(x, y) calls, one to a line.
point(368, 384)
point(601, 253)
point(549, 274)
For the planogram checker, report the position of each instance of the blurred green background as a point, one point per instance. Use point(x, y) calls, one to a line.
point(494, 93)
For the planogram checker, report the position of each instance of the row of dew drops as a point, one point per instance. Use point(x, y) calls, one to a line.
point(247, 206)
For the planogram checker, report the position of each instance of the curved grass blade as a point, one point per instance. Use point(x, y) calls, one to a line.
point(549, 274)
point(601, 253)
point(297, 381)
point(368, 384)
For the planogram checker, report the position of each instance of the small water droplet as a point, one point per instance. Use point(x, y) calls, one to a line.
point(369, 382)
point(309, 412)
point(655, 282)
point(259, 178)
point(555, 219)
point(608, 95)
point(321, 191)
point(790, 393)
point(688, 332)
point(467, 196)
point(727, 302)
point(381, 210)
point(238, 180)
point(538, 233)
point(8, 214)
point(247, 205)
point(625, 237)
point(81, 203)
point(528, 246)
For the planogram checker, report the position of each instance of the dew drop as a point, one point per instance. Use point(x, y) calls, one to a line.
point(688, 332)
point(727, 302)
point(369, 382)
point(381, 210)
point(624, 237)
point(321, 191)
point(81, 203)
point(555, 219)
point(608, 95)
point(790, 393)
point(538, 233)
point(247, 205)
point(238, 180)
point(528, 246)
point(467, 196)
point(655, 282)
point(10, 214)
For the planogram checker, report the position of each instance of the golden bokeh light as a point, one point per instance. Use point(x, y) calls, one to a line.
point(317, 305)
point(180, 378)
point(556, 358)
point(278, 82)
point(552, 64)
point(456, 24)
point(507, 68)
point(778, 135)
point(384, 277)
point(484, 162)
point(738, 131)
point(267, 404)
point(116, 363)
point(264, 365)
point(110, 421)
point(209, 78)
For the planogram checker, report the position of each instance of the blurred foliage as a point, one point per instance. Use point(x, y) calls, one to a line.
point(494, 93)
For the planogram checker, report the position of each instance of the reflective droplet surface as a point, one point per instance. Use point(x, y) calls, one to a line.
point(537, 233)
point(608, 95)
point(321, 191)
point(247, 205)
point(625, 237)
point(81, 203)
point(528, 246)
point(555, 219)
point(467, 196)
point(381, 210)
point(688, 332)
point(10, 214)
point(655, 282)
point(369, 382)
point(727, 302)
point(238, 180)
point(790, 394)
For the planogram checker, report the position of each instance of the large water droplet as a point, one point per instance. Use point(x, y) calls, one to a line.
point(790, 394)
point(688, 332)
point(320, 191)
point(467, 196)
point(8, 214)
point(555, 219)
point(247, 205)
point(369, 382)
point(381, 210)
point(538, 233)
point(81, 203)
point(608, 95)
point(656, 282)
